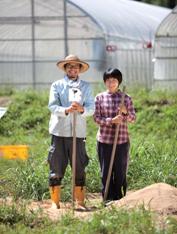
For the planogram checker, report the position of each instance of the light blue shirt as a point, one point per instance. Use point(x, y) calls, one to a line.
point(61, 124)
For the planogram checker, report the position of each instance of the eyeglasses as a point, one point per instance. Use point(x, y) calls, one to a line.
point(76, 66)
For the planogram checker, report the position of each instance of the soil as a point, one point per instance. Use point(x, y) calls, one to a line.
point(160, 198)
point(4, 101)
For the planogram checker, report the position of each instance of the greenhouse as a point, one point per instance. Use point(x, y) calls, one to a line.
point(165, 68)
point(35, 34)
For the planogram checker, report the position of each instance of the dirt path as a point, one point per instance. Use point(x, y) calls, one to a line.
point(93, 203)
point(160, 198)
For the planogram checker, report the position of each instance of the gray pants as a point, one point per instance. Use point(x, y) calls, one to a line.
point(60, 154)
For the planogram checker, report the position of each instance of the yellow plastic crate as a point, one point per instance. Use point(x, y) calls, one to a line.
point(14, 151)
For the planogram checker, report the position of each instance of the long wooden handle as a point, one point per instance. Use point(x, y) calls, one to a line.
point(74, 157)
point(113, 149)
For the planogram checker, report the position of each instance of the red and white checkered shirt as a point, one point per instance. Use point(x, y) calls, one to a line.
point(107, 106)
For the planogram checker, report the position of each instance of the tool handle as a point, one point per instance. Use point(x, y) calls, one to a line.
point(74, 157)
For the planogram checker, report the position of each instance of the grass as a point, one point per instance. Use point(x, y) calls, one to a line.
point(18, 220)
point(153, 156)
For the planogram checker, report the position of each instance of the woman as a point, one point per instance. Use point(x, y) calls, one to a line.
point(107, 115)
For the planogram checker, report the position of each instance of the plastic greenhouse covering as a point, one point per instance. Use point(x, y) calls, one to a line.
point(35, 34)
point(165, 68)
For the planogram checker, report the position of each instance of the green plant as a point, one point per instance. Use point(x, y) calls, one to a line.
point(15, 213)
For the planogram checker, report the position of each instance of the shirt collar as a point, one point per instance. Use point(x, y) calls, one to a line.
point(117, 92)
point(72, 83)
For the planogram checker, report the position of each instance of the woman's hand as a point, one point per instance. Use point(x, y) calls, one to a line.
point(117, 119)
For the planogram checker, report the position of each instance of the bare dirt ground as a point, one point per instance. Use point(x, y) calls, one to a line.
point(4, 101)
point(160, 198)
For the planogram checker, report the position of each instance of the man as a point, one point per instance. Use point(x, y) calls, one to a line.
point(69, 95)
point(107, 115)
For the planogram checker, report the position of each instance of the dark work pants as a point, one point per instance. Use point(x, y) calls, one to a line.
point(118, 182)
point(60, 154)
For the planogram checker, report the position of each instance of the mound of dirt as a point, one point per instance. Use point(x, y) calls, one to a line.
point(160, 197)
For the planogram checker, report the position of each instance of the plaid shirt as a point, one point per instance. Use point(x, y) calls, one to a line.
point(107, 106)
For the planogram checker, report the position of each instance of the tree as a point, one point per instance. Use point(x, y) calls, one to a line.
point(165, 3)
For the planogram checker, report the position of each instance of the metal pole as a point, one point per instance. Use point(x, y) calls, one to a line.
point(33, 44)
point(74, 157)
point(65, 27)
point(113, 150)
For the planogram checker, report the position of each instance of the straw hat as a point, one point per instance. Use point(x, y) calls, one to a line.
point(73, 59)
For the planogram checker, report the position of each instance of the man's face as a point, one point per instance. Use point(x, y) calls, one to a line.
point(72, 70)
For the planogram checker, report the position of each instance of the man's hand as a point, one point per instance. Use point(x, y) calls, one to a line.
point(68, 110)
point(78, 107)
point(74, 107)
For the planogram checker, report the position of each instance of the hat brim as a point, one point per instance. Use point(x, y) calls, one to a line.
point(84, 65)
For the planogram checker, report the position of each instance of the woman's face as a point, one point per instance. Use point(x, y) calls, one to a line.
point(112, 84)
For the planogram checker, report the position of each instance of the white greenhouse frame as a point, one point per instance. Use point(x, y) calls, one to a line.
point(165, 68)
point(35, 34)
